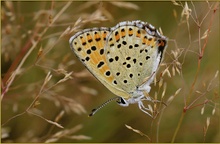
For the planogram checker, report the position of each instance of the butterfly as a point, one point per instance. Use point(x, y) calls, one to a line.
point(124, 58)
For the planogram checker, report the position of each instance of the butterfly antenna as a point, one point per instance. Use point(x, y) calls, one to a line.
point(101, 106)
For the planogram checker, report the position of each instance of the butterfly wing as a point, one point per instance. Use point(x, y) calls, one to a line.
point(88, 45)
point(134, 51)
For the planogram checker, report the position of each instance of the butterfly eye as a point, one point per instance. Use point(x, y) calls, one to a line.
point(122, 102)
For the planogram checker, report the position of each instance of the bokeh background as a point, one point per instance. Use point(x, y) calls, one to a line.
point(45, 87)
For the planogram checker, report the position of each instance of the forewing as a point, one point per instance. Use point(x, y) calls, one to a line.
point(88, 45)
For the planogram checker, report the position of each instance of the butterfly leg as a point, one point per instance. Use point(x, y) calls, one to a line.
point(144, 109)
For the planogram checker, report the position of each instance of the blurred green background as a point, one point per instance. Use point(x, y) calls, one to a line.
point(51, 24)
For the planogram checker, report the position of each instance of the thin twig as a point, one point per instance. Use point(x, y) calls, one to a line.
point(196, 75)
